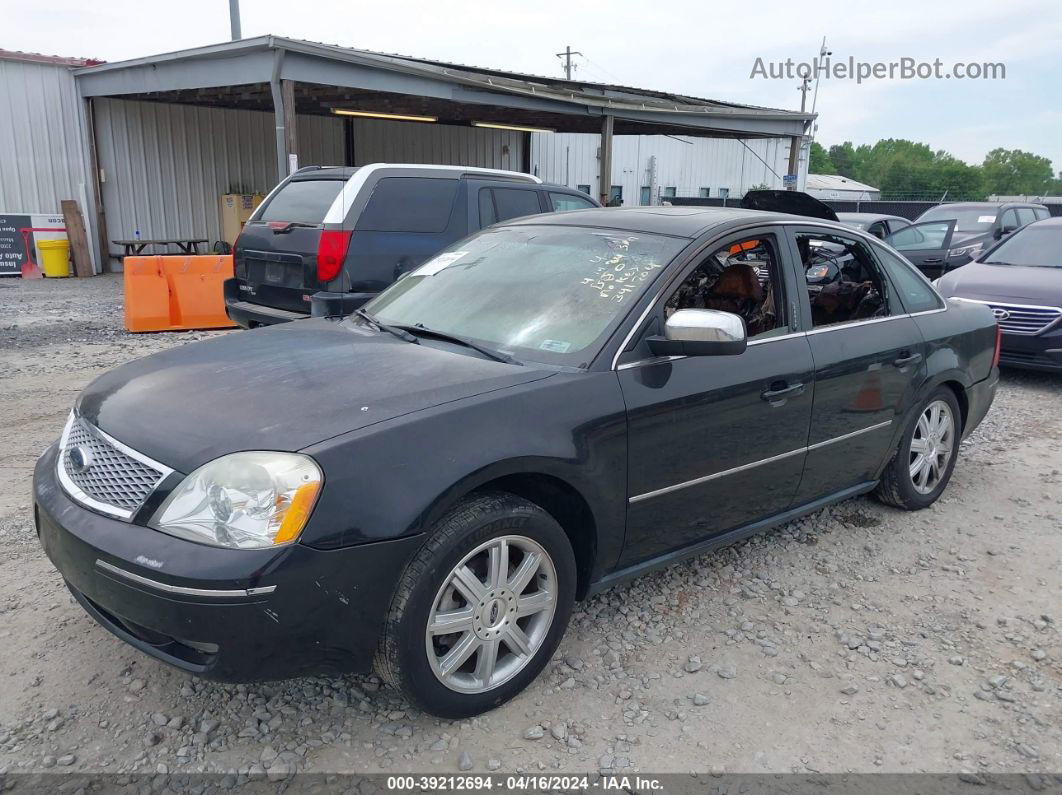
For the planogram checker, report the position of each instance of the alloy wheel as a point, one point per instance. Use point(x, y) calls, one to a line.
point(932, 446)
point(492, 614)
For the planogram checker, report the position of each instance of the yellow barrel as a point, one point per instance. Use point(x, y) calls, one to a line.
point(55, 256)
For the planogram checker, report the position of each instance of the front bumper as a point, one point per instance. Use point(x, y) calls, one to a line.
point(1037, 352)
point(233, 615)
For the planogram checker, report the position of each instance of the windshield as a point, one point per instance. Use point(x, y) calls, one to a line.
point(1035, 246)
point(976, 219)
point(545, 293)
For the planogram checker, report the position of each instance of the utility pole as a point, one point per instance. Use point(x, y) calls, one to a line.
point(823, 54)
point(805, 87)
point(234, 19)
point(566, 56)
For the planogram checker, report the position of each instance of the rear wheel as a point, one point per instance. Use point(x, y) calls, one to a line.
point(481, 608)
point(925, 459)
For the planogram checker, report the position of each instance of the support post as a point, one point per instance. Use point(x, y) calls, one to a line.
point(279, 115)
point(605, 177)
point(291, 130)
point(794, 159)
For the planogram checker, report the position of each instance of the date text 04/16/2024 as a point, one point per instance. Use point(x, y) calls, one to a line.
point(517, 783)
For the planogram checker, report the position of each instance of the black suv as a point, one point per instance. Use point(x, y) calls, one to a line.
point(327, 239)
point(948, 236)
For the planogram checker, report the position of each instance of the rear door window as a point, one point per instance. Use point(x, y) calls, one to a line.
point(915, 292)
point(303, 201)
point(409, 204)
point(562, 202)
point(1025, 215)
point(513, 203)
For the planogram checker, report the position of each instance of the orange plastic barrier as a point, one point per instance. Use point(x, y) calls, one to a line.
point(176, 293)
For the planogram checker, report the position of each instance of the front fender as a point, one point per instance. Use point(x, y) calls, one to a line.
point(397, 478)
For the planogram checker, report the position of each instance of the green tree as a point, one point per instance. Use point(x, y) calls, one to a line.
point(960, 179)
point(819, 160)
point(843, 157)
point(1012, 172)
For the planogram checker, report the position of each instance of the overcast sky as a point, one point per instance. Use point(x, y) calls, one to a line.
point(704, 48)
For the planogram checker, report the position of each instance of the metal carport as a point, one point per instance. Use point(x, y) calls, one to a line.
point(295, 79)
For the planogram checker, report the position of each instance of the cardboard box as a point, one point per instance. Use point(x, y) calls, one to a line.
point(236, 208)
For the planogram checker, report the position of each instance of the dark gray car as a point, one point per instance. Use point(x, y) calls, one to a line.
point(935, 249)
point(1020, 280)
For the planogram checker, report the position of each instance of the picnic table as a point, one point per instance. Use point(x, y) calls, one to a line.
point(134, 247)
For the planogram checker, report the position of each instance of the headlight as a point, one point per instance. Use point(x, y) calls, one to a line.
point(964, 251)
point(243, 501)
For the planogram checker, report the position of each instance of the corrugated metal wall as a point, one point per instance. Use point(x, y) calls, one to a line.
point(377, 141)
point(43, 160)
point(686, 164)
point(166, 165)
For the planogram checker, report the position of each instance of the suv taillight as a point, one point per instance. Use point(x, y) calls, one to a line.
point(239, 267)
point(999, 345)
point(331, 251)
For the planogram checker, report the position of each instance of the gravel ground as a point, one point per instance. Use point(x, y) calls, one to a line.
point(858, 639)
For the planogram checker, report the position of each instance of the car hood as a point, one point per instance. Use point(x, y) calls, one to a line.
point(280, 388)
point(1025, 285)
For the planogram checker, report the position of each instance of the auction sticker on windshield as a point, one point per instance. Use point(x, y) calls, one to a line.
point(441, 262)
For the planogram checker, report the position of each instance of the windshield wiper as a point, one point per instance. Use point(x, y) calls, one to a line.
point(402, 334)
point(490, 353)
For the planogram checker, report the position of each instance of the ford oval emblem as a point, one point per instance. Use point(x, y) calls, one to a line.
point(1001, 314)
point(80, 459)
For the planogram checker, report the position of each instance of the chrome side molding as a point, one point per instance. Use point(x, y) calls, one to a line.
point(745, 467)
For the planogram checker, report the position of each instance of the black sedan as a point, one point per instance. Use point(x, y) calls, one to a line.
point(1020, 280)
point(540, 412)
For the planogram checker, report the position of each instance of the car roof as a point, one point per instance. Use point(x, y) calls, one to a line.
point(984, 205)
point(688, 222)
point(870, 217)
point(460, 171)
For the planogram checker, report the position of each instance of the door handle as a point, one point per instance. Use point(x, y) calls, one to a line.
point(778, 396)
point(903, 361)
point(933, 260)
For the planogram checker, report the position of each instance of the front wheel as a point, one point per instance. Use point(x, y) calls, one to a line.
point(925, 459)
point(481, 608)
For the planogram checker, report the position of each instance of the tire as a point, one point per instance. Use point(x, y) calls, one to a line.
point(901, 485)
point(450, 674)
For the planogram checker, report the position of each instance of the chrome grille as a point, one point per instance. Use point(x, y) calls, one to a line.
point(103, 474)
point(1022, 318)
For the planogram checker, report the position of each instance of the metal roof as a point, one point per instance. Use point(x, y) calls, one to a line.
point(834, 182)
point(55, 60)
point(256, 60)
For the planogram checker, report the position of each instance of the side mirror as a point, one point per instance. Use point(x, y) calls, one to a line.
point(701, 332)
